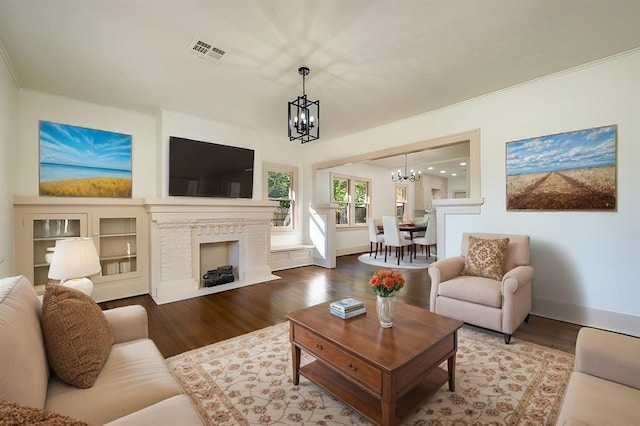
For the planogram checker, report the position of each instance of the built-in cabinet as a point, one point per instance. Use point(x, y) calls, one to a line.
point(119, 230)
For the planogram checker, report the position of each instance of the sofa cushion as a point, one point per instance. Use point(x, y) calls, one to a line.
point(177, 410)
point(595, 401)
point(76, 334)
point(135, 376)
point(479, 290)
point(24, 370)
point(485, 257)
point(12, 413)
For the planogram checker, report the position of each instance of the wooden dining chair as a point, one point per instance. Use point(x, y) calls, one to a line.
point(392, 238)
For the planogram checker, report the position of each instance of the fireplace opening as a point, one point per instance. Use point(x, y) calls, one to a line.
point(219, 263)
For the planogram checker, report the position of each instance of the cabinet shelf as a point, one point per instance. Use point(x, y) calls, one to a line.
point(59, 237)
point(128, 234)
point(124, 256)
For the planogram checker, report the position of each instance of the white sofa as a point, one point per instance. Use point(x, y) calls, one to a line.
point(604, 388)
point(134, 387)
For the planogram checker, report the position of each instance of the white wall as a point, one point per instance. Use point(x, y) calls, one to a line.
point(585, 262)
point(36, 106)
point(458, 183)
point(8, 165)
point(267, 148)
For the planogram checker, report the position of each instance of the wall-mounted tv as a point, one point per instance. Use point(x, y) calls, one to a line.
point(204, 169)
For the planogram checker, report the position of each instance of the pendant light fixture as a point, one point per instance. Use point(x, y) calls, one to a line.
point(412, 177)
point(304, 115)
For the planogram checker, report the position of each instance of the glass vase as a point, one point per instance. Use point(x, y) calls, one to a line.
point(386, 309)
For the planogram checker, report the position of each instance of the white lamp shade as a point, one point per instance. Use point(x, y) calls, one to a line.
point(74, 258)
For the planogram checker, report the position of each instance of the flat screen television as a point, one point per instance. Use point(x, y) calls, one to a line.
point(204, 169)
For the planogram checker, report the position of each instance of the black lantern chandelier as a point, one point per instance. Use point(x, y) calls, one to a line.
point(304, 115)
point(412, 177)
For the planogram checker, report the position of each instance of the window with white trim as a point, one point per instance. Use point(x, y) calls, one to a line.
point(280, 184)
point(351, 195)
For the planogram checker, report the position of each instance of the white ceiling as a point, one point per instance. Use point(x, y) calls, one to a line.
point(448, 161)
point(372, 62)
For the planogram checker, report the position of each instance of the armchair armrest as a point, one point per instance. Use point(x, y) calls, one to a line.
point(514, 279)
point(127, 323)
point(446, 269)
point(608, 355)
point(440, 271)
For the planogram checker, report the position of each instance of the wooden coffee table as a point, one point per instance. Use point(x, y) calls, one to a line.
point(380, 372)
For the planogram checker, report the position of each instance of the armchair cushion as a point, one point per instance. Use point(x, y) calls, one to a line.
point(76, 335)
point(483, 291)
point(485, 257)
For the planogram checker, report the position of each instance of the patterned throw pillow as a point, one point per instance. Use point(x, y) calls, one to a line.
point(485, 258)
point(77, 336)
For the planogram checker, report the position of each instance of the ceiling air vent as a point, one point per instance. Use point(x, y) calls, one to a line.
point(206, 50)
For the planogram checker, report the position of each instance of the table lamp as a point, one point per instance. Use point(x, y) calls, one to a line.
point(73, 260)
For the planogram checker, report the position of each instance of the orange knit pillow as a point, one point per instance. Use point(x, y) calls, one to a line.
point(76, 334)
point(485, 258)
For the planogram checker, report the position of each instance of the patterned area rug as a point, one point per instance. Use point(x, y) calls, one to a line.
point(247, 381)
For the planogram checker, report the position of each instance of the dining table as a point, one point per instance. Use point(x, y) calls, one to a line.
point(408, 227)
point(411, 228)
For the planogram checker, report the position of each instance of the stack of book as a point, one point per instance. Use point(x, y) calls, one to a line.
point(347, 308)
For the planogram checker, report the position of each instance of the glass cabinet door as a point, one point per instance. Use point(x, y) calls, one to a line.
point(46, 231)
point(118, 245)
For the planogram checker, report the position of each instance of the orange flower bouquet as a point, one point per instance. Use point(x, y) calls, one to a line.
point(386, 282)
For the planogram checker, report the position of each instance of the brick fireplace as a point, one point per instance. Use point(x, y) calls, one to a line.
point(184, 232)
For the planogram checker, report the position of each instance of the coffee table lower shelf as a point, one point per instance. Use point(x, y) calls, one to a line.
point(365, 402)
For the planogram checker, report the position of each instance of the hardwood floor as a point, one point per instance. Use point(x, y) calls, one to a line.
point(181, 326)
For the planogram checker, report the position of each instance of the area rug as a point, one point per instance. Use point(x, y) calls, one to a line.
point(421, 261)
point(247, 381)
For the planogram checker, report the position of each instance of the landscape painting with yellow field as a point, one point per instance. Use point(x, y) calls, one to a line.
point(82, 162)
point(566, 171)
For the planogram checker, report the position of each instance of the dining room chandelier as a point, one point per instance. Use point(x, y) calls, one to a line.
point(406, 177)
point(304, 115)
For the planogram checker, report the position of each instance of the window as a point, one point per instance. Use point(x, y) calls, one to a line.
point(351, 197)
point(280, 185)
point(401, 202)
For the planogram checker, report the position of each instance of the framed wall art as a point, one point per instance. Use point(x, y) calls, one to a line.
point(566, 171)
point(82, 162)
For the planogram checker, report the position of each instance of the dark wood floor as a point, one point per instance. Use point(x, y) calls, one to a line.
point(180, 326)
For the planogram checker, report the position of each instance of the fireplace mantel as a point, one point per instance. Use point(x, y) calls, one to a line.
point(206, 206)
point(180, 225)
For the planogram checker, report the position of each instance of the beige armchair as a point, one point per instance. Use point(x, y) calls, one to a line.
point(500, 305)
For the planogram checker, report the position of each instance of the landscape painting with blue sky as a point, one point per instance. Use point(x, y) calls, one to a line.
point(78, 161)
point(564, 151)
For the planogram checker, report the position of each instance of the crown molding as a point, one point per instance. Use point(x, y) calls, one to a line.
point(9, 64)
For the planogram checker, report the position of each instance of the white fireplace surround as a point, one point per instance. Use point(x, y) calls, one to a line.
point(180, 226)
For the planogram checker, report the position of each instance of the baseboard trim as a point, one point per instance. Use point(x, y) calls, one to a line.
point(352, 250)
point(589, 317)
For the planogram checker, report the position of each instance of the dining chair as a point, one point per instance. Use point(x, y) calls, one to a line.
point(429, 237)
point(392, 238)
point(375, 237)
